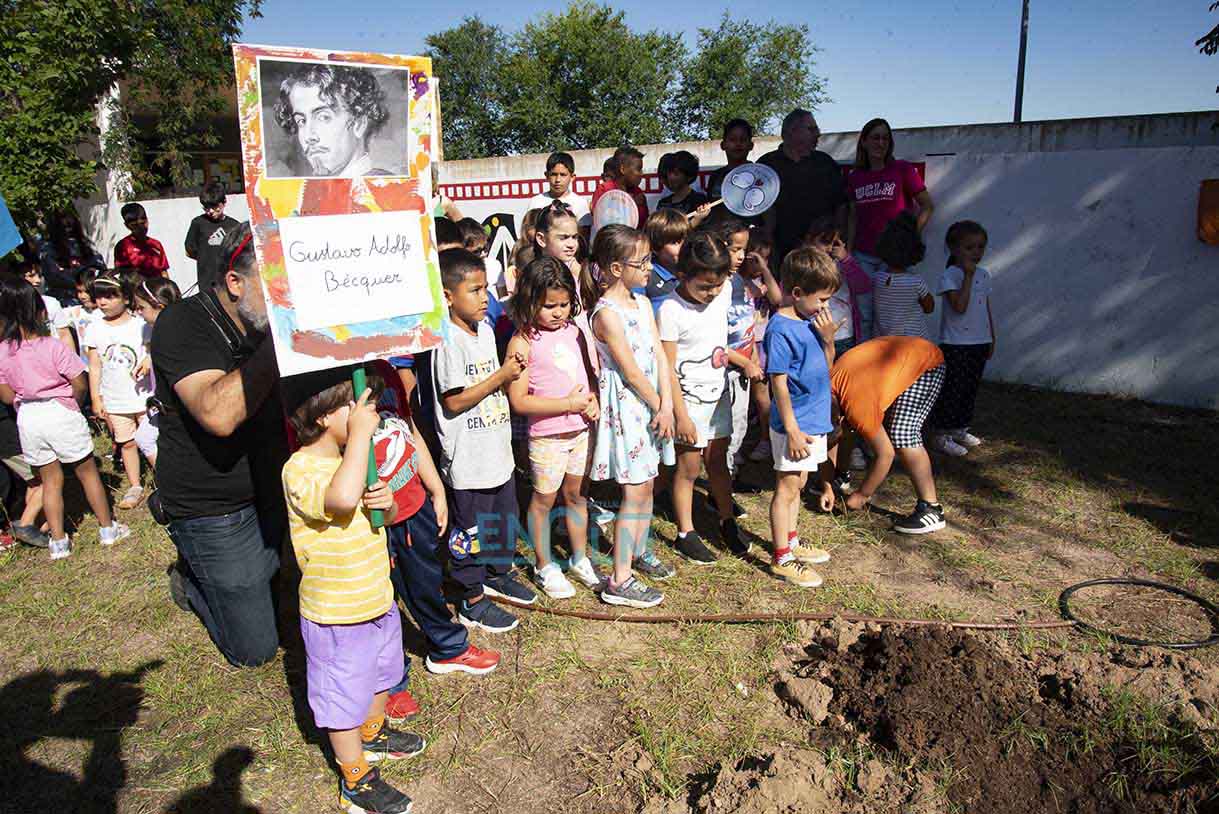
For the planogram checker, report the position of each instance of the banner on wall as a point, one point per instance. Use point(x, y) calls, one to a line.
point(337, 149)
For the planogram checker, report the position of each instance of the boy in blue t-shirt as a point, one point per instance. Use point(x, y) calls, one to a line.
point(798, 360)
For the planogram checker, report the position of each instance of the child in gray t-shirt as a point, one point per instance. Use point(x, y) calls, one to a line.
point(473, 426)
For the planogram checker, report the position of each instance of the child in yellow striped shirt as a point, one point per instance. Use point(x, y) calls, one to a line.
point(350, 626)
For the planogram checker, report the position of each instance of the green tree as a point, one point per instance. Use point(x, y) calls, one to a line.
point(583, 79)
point(60, 60)
point(756, 72)
point(469, 60)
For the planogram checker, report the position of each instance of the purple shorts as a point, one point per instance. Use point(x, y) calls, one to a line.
point(346, 665)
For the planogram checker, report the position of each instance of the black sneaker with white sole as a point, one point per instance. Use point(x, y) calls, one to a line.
point(507, 587)
point(691, 546)
point(926, 518)
point(486, 615)
point(392, 744)
point(372, 795)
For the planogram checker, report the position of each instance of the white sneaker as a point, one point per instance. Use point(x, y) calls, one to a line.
point(552, 582)
point(585, 572)
point(114, 533)
point(966, 439)
point(60, 548)
point(762, 451)
point(858, 462)
point(944, 444)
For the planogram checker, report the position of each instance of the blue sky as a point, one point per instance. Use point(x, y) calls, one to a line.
point(926, 63)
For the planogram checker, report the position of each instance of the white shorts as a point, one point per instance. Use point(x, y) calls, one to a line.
point(817, 452)
point(147, 432)
point(51, 431)
point(710, 420)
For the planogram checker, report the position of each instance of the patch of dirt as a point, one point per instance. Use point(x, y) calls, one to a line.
point(931, 719)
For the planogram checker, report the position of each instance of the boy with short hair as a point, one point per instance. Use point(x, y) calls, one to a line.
point(560, 172)
point(799, 372)
point(626, 171)
point(474, 431)
point(736, 144)
point(138, 251)
point(206, 235)
point(679, 176)
point(666, 230)
point(349, 623)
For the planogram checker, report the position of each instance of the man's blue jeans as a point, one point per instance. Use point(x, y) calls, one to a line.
point(230, 565)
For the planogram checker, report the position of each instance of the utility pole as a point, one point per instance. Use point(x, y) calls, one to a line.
point(1024, 43)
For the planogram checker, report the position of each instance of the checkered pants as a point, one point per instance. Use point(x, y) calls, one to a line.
point(904, 418)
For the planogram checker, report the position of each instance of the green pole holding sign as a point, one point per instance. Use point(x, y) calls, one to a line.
point(359, 382)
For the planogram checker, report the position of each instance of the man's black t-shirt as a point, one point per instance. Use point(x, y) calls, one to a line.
point(810, 188)
point(200, 474)
point(204, 239)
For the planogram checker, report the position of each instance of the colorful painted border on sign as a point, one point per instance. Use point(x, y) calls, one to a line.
point(271, 199)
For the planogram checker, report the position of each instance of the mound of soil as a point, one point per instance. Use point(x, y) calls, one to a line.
point(966, 723)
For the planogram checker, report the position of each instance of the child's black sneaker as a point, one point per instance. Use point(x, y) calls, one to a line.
point(372, 795)
point(508, 588)
point(390, 744)
point(730, 533)
point(486, 615)
point(691, 546)
point(926, 518)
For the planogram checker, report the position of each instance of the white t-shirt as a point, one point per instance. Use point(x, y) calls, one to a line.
point(121, 348)
point(972, 327)
point(840, 311)
point(701, 334)
point(79, 320)
point(579, 206)
point(476, 445)
point(56, 318)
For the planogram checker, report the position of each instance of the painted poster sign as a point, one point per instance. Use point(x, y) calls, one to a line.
point(337, 148)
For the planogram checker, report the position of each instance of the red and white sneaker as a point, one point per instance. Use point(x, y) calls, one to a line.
point(6, 541)
point(401, 706)
point(474, 661)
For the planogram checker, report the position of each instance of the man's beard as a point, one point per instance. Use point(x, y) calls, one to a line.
point(253, 317)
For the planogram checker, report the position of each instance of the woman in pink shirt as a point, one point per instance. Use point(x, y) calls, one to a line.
point(879, 189)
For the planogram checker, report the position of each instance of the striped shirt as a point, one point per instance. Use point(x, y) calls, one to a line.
point(344, 563)
point(895, 304)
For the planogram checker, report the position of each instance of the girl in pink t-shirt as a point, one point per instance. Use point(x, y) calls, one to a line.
point(879, 189)
point(558, 398)
point(45, 380)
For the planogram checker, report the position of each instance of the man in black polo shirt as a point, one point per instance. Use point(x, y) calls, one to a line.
point(811, 183)
point(220, 452)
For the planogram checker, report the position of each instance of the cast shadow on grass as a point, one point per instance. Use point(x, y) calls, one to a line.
point(223, 794)
point(96, 708)
point(1109, 443)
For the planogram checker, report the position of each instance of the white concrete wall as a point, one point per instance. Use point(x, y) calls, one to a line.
point(168, 220)
point(1101, 284)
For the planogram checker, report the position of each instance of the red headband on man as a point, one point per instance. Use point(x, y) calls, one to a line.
point(238, 251)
